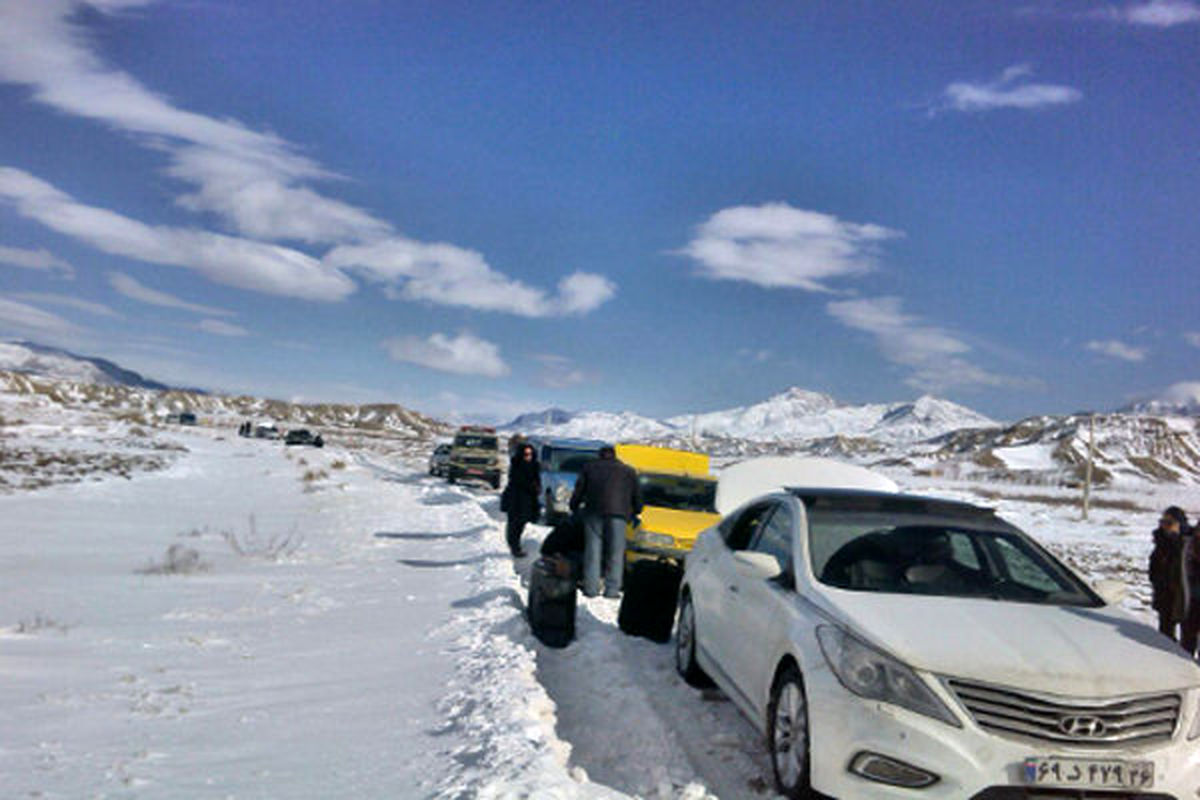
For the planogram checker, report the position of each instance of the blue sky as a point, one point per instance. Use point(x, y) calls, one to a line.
point(497, 207)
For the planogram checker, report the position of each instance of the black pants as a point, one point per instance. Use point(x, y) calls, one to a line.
point(1166, 626)
point(513, 530)
point(1189, 629)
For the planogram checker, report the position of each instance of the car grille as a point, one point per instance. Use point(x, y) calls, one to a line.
point(1089, 723)
point(480, 460)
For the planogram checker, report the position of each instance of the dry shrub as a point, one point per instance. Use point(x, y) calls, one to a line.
point(40, 623)
point(179, 560)
point(271, 548)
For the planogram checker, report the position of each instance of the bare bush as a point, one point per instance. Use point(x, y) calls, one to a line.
point(339, 464)
point(179, 560)
point(40, 623)
point(314, 475)
point(271, 548)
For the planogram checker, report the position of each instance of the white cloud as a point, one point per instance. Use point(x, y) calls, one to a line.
point(1184, 393)
point(30, 320)
point(1153, 14)
point(252, 180)
point(450, 275)
point(1192, 338)
point(221, 328)
point(776, 245)
point(35, 259)
point(465, 354)
point(934, 354)
point(134, 290)
point(243, 263)
point(1010, 90)
point(99, 309)
point(1119, 350)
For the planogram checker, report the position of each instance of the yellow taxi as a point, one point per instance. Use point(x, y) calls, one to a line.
point(679, 495)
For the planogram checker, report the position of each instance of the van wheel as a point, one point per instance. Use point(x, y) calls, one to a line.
point(787, 735)
point(685, 646)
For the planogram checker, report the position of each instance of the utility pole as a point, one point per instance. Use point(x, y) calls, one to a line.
point(1087, 475)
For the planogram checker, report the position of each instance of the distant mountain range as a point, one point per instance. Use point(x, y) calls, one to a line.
point(796, 414)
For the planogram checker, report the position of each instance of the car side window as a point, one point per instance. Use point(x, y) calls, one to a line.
point(775, 537)
point(741, 533)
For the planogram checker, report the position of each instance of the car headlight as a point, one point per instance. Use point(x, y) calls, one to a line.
point(649, 539)
point(1194, 731)
point(872, 674)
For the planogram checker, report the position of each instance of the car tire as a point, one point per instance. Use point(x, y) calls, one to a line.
point(685, 646)
point(788, 735)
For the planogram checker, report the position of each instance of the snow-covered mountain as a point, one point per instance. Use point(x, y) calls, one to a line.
point(1180, 399)
point(796, 415)
point(51, 362)
point(607, 426)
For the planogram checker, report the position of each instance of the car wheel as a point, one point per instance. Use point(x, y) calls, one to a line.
point(685, 646)
point(787, 735)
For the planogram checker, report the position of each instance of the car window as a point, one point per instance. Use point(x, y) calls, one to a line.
point(739, 535)
point(775, 537)
point(917, 553)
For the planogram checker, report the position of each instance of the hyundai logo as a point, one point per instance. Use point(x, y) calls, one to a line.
point(1083, 726)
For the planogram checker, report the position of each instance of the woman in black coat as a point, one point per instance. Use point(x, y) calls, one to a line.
point(521, 499)
point(1168, 571)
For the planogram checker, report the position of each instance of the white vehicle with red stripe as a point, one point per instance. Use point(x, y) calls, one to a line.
point(893, 646)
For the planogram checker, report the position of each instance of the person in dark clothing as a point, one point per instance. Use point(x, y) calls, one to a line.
point(1189, 629)
point(520, 499)
point(1168, 572)
point(608, 493)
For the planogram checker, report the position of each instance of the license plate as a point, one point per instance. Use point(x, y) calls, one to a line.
point(474, 472)
point(1089, 773)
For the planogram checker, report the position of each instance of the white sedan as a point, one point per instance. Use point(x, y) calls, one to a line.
point(891, 646)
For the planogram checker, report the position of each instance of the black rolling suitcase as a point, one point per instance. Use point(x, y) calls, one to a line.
point(648, 599)
point(552, 601)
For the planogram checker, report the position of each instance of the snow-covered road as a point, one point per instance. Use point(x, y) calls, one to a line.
point(258, 621)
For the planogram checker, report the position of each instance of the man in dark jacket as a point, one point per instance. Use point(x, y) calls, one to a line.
point(608, 492)
point(1168, 571)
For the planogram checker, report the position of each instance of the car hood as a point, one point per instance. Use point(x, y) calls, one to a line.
point(1079, 652)
point(685, 526)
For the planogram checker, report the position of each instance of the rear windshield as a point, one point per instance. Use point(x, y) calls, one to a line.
point(558, 459)
point(675, 491)
point(915, 553)
point(475, 442)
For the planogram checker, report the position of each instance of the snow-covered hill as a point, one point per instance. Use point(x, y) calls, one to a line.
point(51, 362)
point(151, 406)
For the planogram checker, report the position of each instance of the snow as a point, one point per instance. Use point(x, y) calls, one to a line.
point(1031, 456)
point(241, 619)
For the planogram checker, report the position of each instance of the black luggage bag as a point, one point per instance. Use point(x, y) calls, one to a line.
point(648, 601)
point(552, 601)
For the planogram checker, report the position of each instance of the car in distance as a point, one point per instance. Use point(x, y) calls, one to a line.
point(303, 436)
point(266, 430)
point(475, 455)
point(560, 461)
point(439, 460)
point(892, 646)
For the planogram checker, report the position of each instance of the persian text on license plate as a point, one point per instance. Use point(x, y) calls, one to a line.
point(1093, 774)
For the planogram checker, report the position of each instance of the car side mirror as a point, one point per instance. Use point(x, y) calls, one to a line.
point(1111, 591)
point(757, 565)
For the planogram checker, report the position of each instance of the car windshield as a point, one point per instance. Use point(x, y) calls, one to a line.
point(565, 460)
point(475, 442)
point(678, 492)
point(920, 553)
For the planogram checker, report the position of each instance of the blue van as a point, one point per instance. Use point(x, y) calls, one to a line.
point(561, 460)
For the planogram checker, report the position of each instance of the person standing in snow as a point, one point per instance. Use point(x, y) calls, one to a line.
point(1189, 629)
point(1168, 571)
point(608, 493)
point(521, 497)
